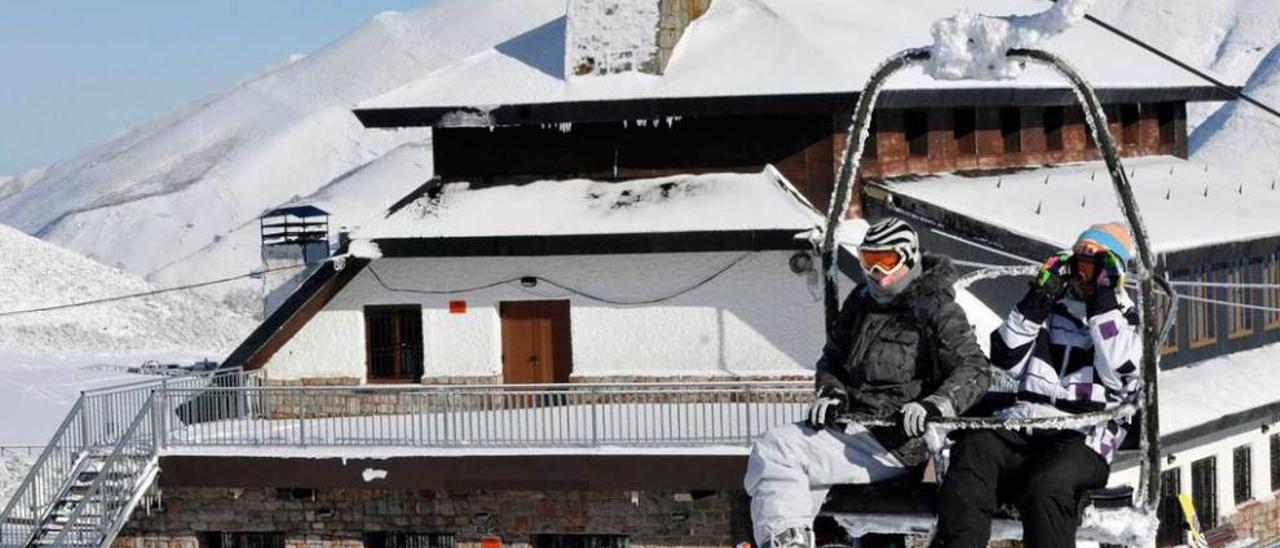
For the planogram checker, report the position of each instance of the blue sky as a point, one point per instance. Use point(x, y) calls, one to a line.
point(76, 72)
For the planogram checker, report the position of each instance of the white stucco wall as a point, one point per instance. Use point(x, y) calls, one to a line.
point(756, 318)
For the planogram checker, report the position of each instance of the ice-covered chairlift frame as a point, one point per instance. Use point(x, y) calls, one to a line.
point(1147, 275)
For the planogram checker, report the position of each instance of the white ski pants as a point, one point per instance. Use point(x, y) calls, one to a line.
point(793, 466)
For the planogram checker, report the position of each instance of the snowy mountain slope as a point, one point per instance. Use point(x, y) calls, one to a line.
point(161, 195)
point(351, 199)
point(38, 274)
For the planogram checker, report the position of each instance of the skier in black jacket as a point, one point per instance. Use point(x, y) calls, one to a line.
point(1073, 344)
point(901, 348)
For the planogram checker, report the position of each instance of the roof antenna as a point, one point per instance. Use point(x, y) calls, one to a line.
point(1093, 174)
point(1206, 191)
point(1038, 204)
point(1168, 192)
point(1046, 180)
point(1001, 180)
point(1082, 199)
point(1240, 189)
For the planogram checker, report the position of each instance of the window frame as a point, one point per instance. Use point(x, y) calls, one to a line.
point(1240, 322)
point(1053, 133)
point(1270, 274)
point(236, 539)
point(1204, 491)
point(966, 141)
point(1242, 474)
point(1011, 130)
point(579, 540)
point(379, 539)
point(1171, 531)
point(1275, 462)
point(915, 131)
point(1202, 318)
point(406, 373)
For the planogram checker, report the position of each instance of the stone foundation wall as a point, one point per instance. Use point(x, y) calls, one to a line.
point(1259, 520)
point(340, 517)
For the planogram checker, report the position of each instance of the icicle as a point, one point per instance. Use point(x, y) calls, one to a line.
point(1038, 206)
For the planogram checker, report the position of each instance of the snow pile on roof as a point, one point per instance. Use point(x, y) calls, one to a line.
point(790, 47)
point(1054, 204)
point(970, 45)
point(606, 36)
point(1208, 390)
point(37, 274)
point(169, 194)
point(713, 202)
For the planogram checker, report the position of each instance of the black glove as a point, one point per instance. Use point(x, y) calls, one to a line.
point(1049, 285)
point(1107, 279)
point(828, 404)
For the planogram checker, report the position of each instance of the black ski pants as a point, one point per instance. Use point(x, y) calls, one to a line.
point(1043, 474)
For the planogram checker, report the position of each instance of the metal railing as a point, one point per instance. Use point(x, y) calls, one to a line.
point(99, 419)
point(104, 505)
point(488, 416)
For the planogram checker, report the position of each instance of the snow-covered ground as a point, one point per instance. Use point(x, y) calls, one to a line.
point(165, 200)
point(41, 391)
point(13, 469)
point(38, 274)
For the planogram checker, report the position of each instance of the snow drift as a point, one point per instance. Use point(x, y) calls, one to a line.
point(161, 200)
point(37, 274)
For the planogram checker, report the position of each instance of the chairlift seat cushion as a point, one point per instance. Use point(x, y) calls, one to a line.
point(912, 497)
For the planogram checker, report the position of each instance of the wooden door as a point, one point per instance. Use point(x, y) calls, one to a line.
point(393, 336)
point(535, 342)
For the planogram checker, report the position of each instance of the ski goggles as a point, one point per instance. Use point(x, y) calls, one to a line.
point(884, 261)
point(1086, 259)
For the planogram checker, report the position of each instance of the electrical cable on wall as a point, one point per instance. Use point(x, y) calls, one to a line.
point(570, 289)
point(145, 294)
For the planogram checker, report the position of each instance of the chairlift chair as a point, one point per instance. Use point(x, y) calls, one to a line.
point(907, 507)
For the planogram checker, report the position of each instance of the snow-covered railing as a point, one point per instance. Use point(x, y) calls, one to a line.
point(98, 420)
point(488, 416)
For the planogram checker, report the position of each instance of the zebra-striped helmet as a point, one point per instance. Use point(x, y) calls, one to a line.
point(889, 235)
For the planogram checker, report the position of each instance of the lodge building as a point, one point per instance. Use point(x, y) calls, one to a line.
point(634, 212)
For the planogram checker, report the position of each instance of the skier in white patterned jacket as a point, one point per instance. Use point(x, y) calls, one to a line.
point(1073, 344)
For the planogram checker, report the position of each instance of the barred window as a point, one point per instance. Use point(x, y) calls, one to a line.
point(1204, 491)
point(1242, 462)
point(242, 540)
point(1275, 462)
point(1170, 511)
point(409, 540)
point(1171, 340)
point(579, 541)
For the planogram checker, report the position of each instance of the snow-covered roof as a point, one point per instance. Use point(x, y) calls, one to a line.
point(1184, 204)
point(1218, 387)
point(684, 203)
point(772, 47)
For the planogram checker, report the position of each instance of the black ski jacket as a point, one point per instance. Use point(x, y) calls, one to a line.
point(920, 346)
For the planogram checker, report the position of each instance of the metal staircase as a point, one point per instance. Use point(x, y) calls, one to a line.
point(99, 463)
